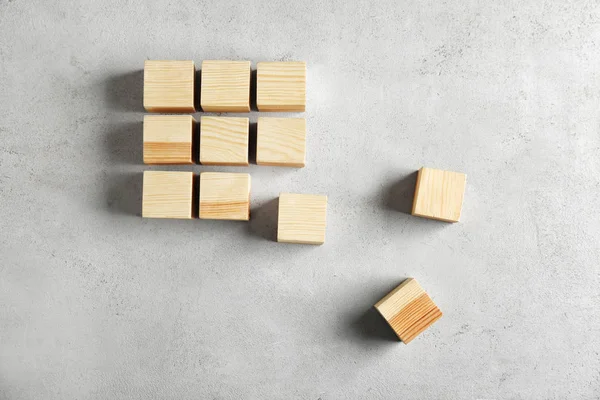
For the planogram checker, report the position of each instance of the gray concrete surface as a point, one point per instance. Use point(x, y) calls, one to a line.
point(97, 303)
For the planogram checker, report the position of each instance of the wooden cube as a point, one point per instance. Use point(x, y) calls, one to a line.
point(302, 218)
point(169, 86)
point(167, 194)
point(224, 196)
point(281, 86)
point(168, 139)
point(408, 310)
point(224, 141)
point(439, 194)
point(225, 86)
point(281, 141)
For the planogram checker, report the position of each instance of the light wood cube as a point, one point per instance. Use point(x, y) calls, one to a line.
point(167, 194)
point(169, 86)
point(408, 310)
point(302, 218)
point(225, 86)
point(224, 141)
point(281, 86)
point(224, 196)
point(439, 194)
point(168, 139)
point(281, 141)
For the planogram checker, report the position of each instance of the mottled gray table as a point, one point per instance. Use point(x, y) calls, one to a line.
point(98, 303)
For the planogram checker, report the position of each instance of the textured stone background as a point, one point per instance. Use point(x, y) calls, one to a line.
point(97, 303)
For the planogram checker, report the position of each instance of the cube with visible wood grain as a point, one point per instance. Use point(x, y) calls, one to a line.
point(167, 194)
point(169, 86)
point(281, 86)
point(281, 142)
point(168, 139)
point(225, 86)
point(302, 218)
point(224, 141)
point(224, 196)
point(439, 194)
point(409, 310)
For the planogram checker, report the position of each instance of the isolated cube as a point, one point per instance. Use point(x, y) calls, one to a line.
point(167, 194)
point(281, 141)
point(168, 139)
point(225, 86)
point(224, 196)
point(224, 141)
point(281, 86)
point(408, 310)
point(169, 86)
point(439, 194)
point(302, 218)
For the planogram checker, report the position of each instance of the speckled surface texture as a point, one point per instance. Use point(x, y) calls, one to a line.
point(97, 303)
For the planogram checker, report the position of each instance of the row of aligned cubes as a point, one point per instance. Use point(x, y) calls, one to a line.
point(169, 86)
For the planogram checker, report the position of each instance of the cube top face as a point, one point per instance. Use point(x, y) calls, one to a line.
point(439, 194)
point(224, 141)
point(225, 86)
point(167, 194)
point(281, 86)
point(168, 139)
point(409, 310)
point(302, 218)
point(281, 141)
point(224, 196)
point(169, 86)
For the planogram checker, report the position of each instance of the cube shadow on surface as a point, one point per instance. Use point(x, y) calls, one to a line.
point(281, 86)
point(169, 86)
point(224, 195)
point(224, 141)
point(225, 86)
point(302, 218)
point(168, 139)
point(439, 194)
point(167, 194)
point(281, 142)
point(409, 310)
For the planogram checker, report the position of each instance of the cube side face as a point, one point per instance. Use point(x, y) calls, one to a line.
point(169, 86)
point(409, 310)
point(439, 194)
point(225, 86)
point(302, 218)
point(281, 142)
point(167, 194)
point(224, 141)
point(281, 86)
point(168, 139)
point(224, 196)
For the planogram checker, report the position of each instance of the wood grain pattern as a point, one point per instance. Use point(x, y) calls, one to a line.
point(167, 194)
point(439, 194)
point(302, 218)
point(224, 141)
point(168, 139)
point(281, 86)
point(409, 310)
point(281, 142)
point(224, 196)
point(169, 86)
point(225, 86)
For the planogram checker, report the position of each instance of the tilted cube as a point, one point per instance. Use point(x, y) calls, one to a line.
point(169, 86)
point(302, 218)
point(167, 194)
point(225, 86)
point(281, 142)
point(224, 141)
point(168, 139)
point(281, 86)
point(439, 194)
point(408, 310)
point(224, 196)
